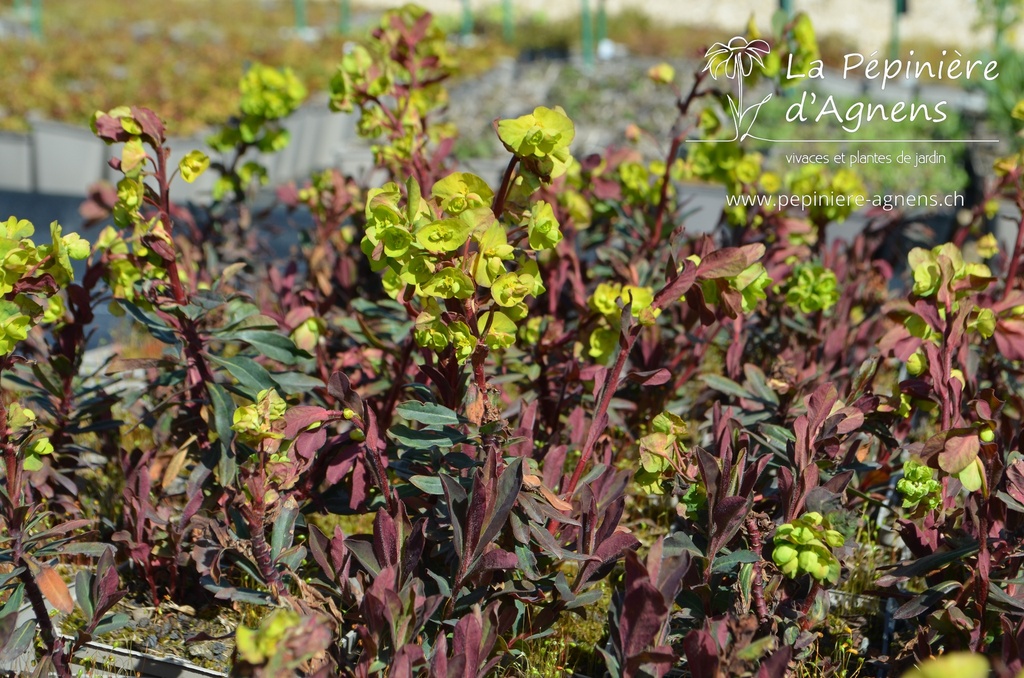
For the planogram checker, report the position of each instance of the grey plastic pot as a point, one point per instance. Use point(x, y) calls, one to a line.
point(104, 661)
point(68, 159)
point(16, 169)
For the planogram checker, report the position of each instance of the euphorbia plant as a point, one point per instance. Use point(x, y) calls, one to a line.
point(32, 536)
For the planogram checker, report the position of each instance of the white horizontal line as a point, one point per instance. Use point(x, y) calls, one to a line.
point(876, 141)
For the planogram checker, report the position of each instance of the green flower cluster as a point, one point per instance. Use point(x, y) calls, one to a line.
point(408, 74)
point(449, 252)
point(259, 645)
point(540, 140)
point(943, 271)
point(32, 275)
point(261, 421)
point(148, 249)
point(635, 180)
point(804, 547)
point(658, 450)
point(608, 300)
point(724, 163)
point(812, 288)
point(267, 95)
point(128, 261)
point(814, 179)
point(452, 258)
point(22, 420)
point(751, 283)
point(918, 485)
point(307, 334)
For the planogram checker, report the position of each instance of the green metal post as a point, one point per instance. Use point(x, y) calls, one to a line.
point(507, 21)
point(344, 16)
point(467, 19)
point(37, 18)
point(894, 48)
point(300, 14)
point(588, 33)
point(602, 21)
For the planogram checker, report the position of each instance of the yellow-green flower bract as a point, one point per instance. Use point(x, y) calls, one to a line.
point(918, 485)
point(804, 547)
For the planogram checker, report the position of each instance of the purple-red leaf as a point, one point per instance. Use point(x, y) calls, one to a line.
point(729, 261)
point(651, 378)
point(644, 610)
point(676, 287)
point(701, 653)
point(726, 519)
point(466, 641)
point(301, 417)
point(498, 559)
point(385, 539)
point(609, 550)
point(959, 452)
point(150, 123)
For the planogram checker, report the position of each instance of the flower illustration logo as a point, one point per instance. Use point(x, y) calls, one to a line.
point(735, 61)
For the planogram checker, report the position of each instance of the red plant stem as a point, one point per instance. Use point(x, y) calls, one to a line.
point(683, 105)
point(506, 184)
point(806, 607)
point(659, 217)
point(1011, 274)
point(10, 457)
point(947, 371)
point(479, 375)
point(757, 582)
point(35, 597)
point(611, 385)
point(607, 392)
point(165, 217)
point(256, 514)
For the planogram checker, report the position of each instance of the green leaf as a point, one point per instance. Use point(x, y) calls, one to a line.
point(7, 627)
point(156, 327)
point(726, 386)
point(757, 649)
point(249, 373)
point(223, 412)
point(293, 383)
point(727, 563)
point(18, 642)
point(925, 565)
point(284, 528)
point(429, 484)
point(428, 414)
point(83, 592)
point(757, 381)
point(273, 345)
point(111, 623)
point(426, 438)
